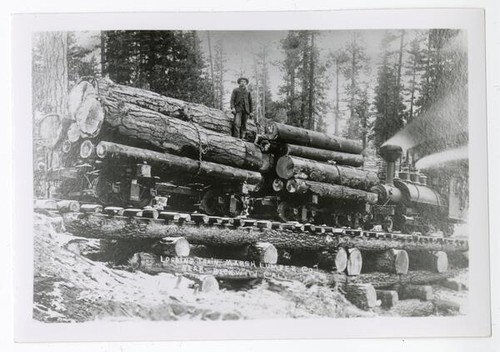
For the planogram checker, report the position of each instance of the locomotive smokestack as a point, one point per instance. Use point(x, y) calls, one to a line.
point(390, 153)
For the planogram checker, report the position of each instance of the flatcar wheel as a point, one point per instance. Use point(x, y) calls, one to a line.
point(210, 203)
point(104, 192)
point(286, 212)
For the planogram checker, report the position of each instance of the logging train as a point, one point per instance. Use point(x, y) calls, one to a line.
point(129, 147)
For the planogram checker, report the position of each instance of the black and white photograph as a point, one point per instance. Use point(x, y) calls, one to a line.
point(224, 176)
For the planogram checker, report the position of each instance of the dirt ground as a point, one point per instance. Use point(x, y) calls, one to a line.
point(71, 288)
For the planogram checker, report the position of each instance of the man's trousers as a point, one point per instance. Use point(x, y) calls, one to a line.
point(240, 124)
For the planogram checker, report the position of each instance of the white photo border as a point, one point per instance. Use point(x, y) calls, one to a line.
point(476, 323)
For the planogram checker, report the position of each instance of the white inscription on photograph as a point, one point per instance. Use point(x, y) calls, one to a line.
point(230, 175)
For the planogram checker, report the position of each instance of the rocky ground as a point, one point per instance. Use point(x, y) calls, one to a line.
point(68, 287)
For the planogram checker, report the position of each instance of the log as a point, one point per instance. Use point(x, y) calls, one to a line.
point(292, 166)
point(87, 149)
point(223, 269)
point(45, 204)
point(393, 261)
point(181, 137)
point(149, 263)
point(458, 259)
point(172, 247)
point(49, 129)
point(453, 284)
point(362, 296)
point(329, 191)
point(209, 118)
point(278, 185)
point(325, 155)
point(73, 133)
point(68, 206)
point(116, 227)
point(300, 136)
point(86, 247)
point(433, 261)
point(388, 298)
point(91, 208)
point(413, 308)
point(333, 260)
point(259, 252)
point(171, 164)
point(421, 292)
point(386, 280)
point(354, 262)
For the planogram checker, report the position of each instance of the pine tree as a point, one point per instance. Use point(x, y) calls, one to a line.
point(445, 67)
point(337, 60)
point(389, 104)
point(305, 83)
point(356, 62)
point(81, 60)
point(219, 72)
point(289, 67)
point(50, 72)
point(167, 62)
point(413, 71)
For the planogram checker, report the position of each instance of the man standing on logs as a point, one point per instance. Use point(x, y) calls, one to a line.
point(241, 107)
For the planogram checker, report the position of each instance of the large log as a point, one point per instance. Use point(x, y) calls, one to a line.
point(209, 118)
point(317, 154)
point(354, 262)
point(329, 191)
point(393, 261)
point(223, 269)
point(100, 226)
point(118, 227)
point(388, 298)
point(362, 296)
point(171, 164)
point(259, 252)
point(166, 133)
point(385, 280)
point(204, 282)
point(49, 129)
point(300, 136)
point(292, 166)
point(424, 260)
point(421, 292)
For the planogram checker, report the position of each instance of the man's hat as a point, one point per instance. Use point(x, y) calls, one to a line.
point(242, 79)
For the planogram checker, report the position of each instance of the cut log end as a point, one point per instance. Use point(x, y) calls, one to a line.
point(174, 246)
point(268, 254)
point(340, 259)
point(285, 167)
point(354, 262)
point(49, 129)
point(278, 185)
point(74, 133)
point(86, 149)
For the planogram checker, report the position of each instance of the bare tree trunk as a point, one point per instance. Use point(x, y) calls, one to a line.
point(103, 53)
point(54, 73)
point(211, 69)
point(337, 111)
point(311, 84)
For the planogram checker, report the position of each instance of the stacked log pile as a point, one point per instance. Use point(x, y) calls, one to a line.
point(315, 163)
point(141, 126)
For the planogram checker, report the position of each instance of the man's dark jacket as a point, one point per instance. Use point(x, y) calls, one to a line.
point(241, 100)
